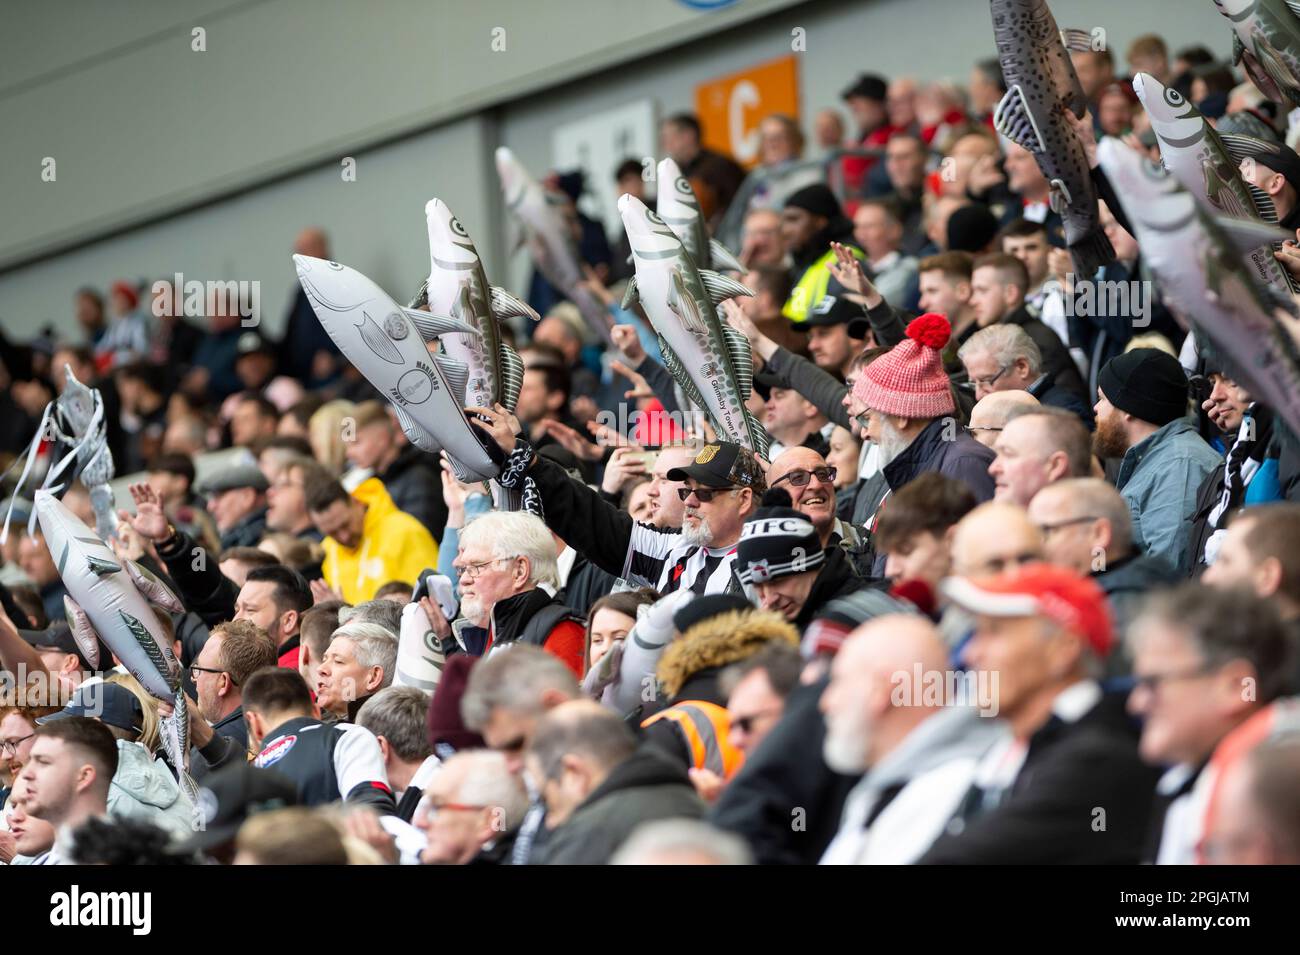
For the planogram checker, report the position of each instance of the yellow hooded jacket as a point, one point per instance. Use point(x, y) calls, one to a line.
point(394, 546)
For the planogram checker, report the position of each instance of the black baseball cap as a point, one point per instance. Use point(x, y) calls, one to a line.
point(722, 464)
point(110, 703)
point(230, 796)
point(57, 638)
point(1281, 159)
point(251, 343)
point(832, 310)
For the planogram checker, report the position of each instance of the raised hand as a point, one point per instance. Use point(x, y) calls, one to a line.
point(437, 619)
point(149, 521)
point(573, 442)
point(625, 465)
point(628, 342)
point(984, 175)
point(497, 423)
point(608, 437)
point(640, 387)
point(321, 592)
point(1087, 136)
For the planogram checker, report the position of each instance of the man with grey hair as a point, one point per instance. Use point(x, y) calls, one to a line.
point(1036, 448)
point(385, 613)
point(360, 660)
point(1066, 785)
point(1004, 358)
point(1206, 661)
point(1086, 526)
point(396, 715)
point(505, 697)
point(471, 811)
point(682, 842)
point(505, 558)
point(991, 413)
point(598, 785)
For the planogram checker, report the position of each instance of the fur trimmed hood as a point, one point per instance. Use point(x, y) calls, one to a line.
point(719, 641)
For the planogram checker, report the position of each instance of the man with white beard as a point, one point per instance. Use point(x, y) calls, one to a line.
point(918, 749)
point(912, 414)
point(505, 558)
point(720, 487)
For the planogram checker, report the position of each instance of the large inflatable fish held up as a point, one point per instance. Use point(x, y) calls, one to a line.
point(709, 359)
point(1266, 44)
point(1041, 88)
point(389, 345)
point(1197, 262)
point(1207, 164)
point(549, 240)
point(113, 599)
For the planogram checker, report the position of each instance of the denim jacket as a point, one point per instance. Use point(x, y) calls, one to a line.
point(1158, 478)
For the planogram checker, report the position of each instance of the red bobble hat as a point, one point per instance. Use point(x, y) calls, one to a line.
point(908, 381)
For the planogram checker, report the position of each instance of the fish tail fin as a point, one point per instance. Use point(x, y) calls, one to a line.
point(505, 498)
point(1092, 252)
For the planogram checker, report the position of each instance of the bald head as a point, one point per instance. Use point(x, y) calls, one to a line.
point(992, 412)
point(863, 719)
point(993, 538)
point(816, 499)
point(312, 241)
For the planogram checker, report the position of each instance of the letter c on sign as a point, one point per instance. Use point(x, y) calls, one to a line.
point(744, 143)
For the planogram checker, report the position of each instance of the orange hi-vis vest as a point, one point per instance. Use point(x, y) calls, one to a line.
point(706, 727)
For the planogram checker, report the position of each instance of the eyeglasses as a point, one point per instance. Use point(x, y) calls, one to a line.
point(431, 807)
point(746, 723)
point(990, 382)
point(195, 668)
point(801, 478)
point(475, 570)
point(1047, 529)
point(998, 565)
point(11, 745)
point(972, 427)
point(1152, 681)
point(705, 494)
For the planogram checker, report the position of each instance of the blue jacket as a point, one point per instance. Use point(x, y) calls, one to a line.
point(1158, 479)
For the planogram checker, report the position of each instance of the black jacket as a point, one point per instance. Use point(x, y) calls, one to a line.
point(1083, 796)
point(228, 745)
point(785, 801)
point(247, 533)
point(1128, 581)
point(960, 457)
point(200, 584)
point(1056, 357)
point(836, 578)
point(414, 483)
point(644, 787)
point(1049, 393)
point(328, 763)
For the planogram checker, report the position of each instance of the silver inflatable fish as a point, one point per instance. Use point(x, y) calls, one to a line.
point(1266, 43)
point(1196, 259)
point(1207, 164)
point(1041, 88)
point(709, 359)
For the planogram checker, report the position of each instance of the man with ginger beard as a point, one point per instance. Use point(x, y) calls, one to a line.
point(1142, 420)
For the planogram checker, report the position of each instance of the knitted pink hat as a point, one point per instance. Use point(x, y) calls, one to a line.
point(908, 381)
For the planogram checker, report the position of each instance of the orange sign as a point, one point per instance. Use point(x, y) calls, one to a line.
point(731, 107)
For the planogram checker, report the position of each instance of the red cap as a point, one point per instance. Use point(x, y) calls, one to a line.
point(127, 291)
point(1074, 603)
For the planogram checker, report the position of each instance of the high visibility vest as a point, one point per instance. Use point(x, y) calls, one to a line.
point(706, 727)
point(812, 285)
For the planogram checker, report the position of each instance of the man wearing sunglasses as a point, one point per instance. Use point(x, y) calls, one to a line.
point(720, 488)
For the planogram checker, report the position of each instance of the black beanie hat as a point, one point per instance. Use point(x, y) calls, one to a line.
point(777, 542)
point(1147, 383)
point(971, 228)
point(709, 605)
point(817, 199)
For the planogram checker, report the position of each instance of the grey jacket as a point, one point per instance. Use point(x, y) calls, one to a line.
point(1158, 479)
